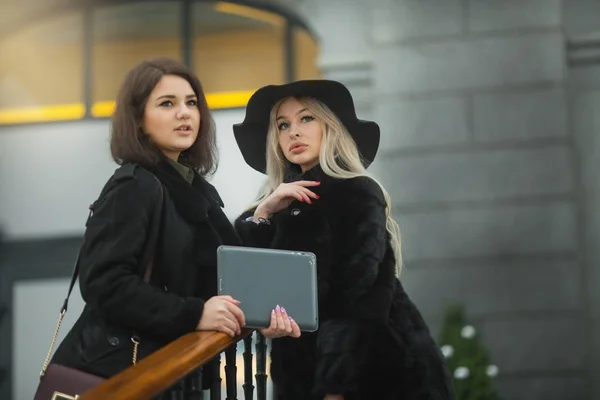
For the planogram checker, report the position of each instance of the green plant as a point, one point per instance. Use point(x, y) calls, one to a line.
point(467, 359)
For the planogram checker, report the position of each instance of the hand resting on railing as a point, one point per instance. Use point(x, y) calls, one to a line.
point(222, 314)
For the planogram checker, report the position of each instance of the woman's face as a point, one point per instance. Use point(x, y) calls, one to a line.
point(171, 116)
point(300, 134)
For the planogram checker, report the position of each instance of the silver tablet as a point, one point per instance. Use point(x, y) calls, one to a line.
point(264, 278)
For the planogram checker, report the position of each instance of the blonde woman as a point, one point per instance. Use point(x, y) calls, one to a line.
point(372, 342)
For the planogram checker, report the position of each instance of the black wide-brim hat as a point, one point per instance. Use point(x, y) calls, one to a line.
point(251, 135)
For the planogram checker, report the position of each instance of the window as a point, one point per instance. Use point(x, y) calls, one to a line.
point(124, 35)
point(306, 53)
point(41, 72)
point(236, 49)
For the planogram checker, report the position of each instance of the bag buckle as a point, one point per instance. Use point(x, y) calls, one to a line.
point(63, 396)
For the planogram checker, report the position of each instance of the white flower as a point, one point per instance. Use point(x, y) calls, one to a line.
point(467, 332)
point(461, 373)
point(492, 370)
point(447, 350)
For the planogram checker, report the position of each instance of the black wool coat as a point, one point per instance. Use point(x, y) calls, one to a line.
point(372, 342)
point(117, 300)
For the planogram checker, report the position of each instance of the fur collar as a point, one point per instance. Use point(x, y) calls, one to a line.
point(293, 173)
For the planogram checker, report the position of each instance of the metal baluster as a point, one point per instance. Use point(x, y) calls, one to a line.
point(231, 372)
point(177, 391)
point(248, 386)
point(166, 395)
point(215, 389)
point(193, 385)
point(261, 367)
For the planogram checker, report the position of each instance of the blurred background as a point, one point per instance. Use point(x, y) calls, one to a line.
point(490, 117)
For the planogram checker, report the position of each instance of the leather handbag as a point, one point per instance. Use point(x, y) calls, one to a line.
point(58, 382)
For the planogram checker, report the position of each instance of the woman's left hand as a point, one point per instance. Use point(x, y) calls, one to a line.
point(334, 397)
point(281, 325)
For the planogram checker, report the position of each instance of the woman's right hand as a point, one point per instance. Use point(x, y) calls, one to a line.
point(221, 313)
point(283, 196)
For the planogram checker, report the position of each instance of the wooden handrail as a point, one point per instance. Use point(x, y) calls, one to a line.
point(159, 371)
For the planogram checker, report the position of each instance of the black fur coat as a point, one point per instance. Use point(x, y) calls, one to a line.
point(372, 342)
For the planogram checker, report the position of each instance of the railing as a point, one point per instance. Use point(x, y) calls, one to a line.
point(175, 372)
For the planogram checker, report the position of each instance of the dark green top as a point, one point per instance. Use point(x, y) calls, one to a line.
point(186, 172)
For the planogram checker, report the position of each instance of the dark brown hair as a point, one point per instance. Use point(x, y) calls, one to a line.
point(128, 142)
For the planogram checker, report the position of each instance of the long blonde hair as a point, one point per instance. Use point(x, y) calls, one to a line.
point(337, 149)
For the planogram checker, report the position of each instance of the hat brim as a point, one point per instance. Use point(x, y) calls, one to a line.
point(251, 135)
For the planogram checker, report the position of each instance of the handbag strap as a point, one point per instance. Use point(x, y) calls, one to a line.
point(148, 254)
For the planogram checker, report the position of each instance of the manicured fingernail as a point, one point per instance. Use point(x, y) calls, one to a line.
point(317, 196)
point(302, 200)
point(283, 310)
point(277, 308)
point(273, 311)
point(291, 319)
